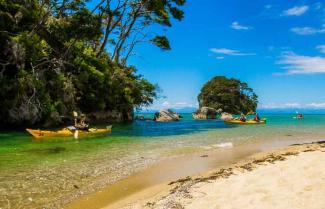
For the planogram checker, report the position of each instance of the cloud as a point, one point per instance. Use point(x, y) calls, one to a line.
point(307, 30)
point(321, 48)
point(171, 105)
point(220, 58)
point(317, 105)
point(280, 106)
point(296, 11)
point(293, 105)
point(298, 64)
point(268, 6)
point(235, 25)
point(230, 52)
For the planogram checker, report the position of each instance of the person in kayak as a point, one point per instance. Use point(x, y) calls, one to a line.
point(257, 118)
point(300, 116)
point(80, 123)
point(242, 117)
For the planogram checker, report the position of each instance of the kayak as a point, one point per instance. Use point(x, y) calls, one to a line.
point(249, 122)
point(65, 132)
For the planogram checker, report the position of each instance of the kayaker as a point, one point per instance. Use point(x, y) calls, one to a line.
point(300, 116)
point(256, 117)
point(242, 117)
point(80, 123)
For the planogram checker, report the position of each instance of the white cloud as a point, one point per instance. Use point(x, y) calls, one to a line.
point(321, 48)
point(220, 58)
point(230, 52)
point(317, 105)
point(298, 64)
point(171, 105)
point(307, 30)
point(296, 11)
point(235, 25)
point(294, 105)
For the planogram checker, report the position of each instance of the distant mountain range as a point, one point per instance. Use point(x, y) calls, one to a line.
point(179, 110)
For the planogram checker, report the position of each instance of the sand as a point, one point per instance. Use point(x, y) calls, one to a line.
point(293, 177)
point(298, 182)
point(156, 178)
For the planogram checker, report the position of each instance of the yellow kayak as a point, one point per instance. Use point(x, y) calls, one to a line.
point(65, 132)
point(248, 122)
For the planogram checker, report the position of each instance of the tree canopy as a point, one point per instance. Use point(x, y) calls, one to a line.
point(62, 55)
point(231, 95)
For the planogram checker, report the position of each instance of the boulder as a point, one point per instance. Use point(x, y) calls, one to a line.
point(166, 116)
point(226, 116)
point(206, 113)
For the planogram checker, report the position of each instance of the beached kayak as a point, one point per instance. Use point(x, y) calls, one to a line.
point(65, 132)
point(249, 122)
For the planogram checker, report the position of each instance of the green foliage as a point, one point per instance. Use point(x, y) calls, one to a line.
point(231, 95)
point(49, 67)
point(162, 42)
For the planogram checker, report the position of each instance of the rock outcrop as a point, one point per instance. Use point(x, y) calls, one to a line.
point(166, 116)
point(226, 116)
point(206, 113)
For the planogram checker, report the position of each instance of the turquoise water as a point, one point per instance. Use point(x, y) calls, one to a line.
point(37, 174)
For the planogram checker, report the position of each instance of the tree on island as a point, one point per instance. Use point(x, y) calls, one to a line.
point(231, 95)
point(57, 56)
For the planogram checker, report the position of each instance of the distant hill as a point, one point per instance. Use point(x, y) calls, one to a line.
point(178, 110)
point(290, 111)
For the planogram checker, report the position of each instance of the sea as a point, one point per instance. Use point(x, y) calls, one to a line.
point(49, 173)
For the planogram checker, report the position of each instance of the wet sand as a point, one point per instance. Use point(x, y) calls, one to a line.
point(156, 176)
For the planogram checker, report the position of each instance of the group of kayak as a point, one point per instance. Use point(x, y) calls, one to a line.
point(242, 120)
point(81, 128)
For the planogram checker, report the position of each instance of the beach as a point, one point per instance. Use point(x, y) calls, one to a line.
point(109, 104)
point(290, 177)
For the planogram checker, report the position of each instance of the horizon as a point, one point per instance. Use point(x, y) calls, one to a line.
point(259, 110)
point(276, 47)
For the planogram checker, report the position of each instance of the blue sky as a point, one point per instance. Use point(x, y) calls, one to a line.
point(277, 47)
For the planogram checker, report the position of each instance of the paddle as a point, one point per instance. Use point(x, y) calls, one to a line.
point(75, 115)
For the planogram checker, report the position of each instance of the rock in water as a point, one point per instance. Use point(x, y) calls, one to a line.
point(226, 116)
point(166, 115)
point(206, 113)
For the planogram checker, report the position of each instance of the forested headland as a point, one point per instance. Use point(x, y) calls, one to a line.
point(59, 56)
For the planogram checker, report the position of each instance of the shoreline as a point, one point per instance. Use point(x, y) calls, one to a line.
point(224, 184)
point(157, 174)
point(155, 179)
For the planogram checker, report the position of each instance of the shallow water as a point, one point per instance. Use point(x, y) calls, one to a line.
point(37, 174)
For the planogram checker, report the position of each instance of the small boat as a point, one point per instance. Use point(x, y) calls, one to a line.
point(248, 122)
point(65, 132)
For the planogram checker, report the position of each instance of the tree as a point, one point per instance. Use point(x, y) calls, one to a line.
point(59, 55)
point(231, 95)
point(126, 23)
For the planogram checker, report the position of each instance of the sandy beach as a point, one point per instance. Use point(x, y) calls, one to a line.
point(291, 177)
